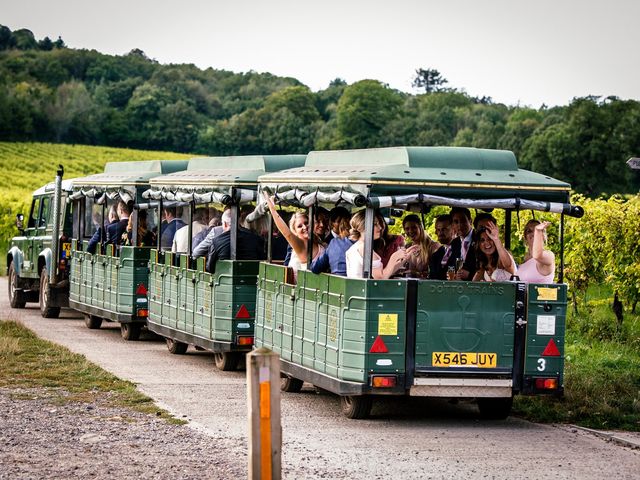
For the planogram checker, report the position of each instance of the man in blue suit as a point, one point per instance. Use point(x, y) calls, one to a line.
point(116, 229)
point(100, 233)
point(173, 224)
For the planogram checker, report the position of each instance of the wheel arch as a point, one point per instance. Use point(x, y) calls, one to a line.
point(45, 260)
point(15, 255)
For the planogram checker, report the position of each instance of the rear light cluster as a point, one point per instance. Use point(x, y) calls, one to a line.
point(387, 381)
point(546, 383)
point(245, 340)
point(141, 293)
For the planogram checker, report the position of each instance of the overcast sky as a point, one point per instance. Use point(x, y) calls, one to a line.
point(517, 52)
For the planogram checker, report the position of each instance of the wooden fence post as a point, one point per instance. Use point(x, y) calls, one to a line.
point(263, 402)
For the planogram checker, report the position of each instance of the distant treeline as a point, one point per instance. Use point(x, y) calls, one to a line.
point(52, 93)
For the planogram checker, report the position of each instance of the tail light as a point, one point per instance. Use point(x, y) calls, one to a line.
point(546, 383)
point(379, 381)
point(142, 312)
point(245, 340)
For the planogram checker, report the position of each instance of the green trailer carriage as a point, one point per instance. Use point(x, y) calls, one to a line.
point(363, 337)
point(111, 283)
point(187, 305)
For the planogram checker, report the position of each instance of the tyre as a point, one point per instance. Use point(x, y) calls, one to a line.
point(356, 407)
point(92, 321)
point(175, 347)
point(130, 331)
point(290, 384)
point(17, 298)
point(226, 361)
point(46, 310)
point(495, 408)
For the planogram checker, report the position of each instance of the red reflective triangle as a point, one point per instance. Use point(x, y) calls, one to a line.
point(551, 350)
point(378, 346)
point(141, 290)
point(243, 312)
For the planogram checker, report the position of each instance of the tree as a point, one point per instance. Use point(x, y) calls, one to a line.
point(364, 109)
point(430, 79)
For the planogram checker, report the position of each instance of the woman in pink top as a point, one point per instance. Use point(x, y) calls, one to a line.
point(539, 263)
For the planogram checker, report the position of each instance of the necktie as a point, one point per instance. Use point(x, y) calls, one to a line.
point(447, 254)
point(465, 248)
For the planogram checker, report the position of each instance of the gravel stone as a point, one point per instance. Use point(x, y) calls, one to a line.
point(40, 439)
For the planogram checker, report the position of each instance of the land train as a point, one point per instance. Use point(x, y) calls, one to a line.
point(359, 338)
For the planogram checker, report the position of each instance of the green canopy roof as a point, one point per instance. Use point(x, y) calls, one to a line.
point(446, 171)
point(124, 180)
point(211, 179)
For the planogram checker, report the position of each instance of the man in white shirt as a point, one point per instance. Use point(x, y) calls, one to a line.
point(181, 238)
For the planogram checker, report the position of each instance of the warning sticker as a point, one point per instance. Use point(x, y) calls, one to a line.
point(545, 293)
point(387, 324)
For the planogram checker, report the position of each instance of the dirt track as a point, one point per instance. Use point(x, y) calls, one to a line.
point(406, 438)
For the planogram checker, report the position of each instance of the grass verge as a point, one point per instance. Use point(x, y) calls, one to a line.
point(31, 362)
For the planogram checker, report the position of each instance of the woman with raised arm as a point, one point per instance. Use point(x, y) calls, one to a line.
point(355, 254)
point(539, 264)
point(495, 263)
point(296, 234)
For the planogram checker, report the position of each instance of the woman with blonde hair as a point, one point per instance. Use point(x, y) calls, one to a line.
point(297, 235)
point(355, 254)
point(420, 246)
point(539, 264)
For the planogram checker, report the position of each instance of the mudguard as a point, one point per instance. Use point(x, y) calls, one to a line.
point(47, 254)
point(15, 255)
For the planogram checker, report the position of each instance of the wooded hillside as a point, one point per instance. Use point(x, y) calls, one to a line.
point(55, 94)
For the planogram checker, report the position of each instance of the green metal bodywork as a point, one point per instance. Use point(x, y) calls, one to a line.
point(105, 284)
point(190, 305)
point(201, 308)
point(30, 252)
point(325, 326)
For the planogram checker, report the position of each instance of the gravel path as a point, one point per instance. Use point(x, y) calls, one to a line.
point(43, 437)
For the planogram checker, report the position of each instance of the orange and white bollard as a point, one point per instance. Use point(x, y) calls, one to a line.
point(263, 402)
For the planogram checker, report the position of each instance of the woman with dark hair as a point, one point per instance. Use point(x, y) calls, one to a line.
point(495, 263)
point(539, 263)
point(420, 247)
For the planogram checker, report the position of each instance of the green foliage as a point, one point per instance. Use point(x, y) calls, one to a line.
point(364, 110)
point(28, 166)
point(603, 247)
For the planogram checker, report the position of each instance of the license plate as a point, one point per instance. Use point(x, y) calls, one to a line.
point(466, 359)
point(66, 250)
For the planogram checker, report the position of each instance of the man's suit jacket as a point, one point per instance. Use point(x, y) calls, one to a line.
point(438, 271)
point(115, 231)
point(250, 246)
point(169, 231)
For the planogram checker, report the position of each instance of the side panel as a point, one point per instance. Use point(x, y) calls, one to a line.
point(546, 329)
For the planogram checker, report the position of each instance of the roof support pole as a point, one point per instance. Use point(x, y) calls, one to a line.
point(234, 231)
point(507, 229)
point(561, 274)
point(368, 242)
point(312, 214)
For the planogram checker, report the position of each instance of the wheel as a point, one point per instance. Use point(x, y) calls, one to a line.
point(356, 407)
point(290, 384)
point(226, 361)
point(175, 347)
point(130, 331)
point(495, 408)
point(46, 310)
point(92, 321)
point(17, 298)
